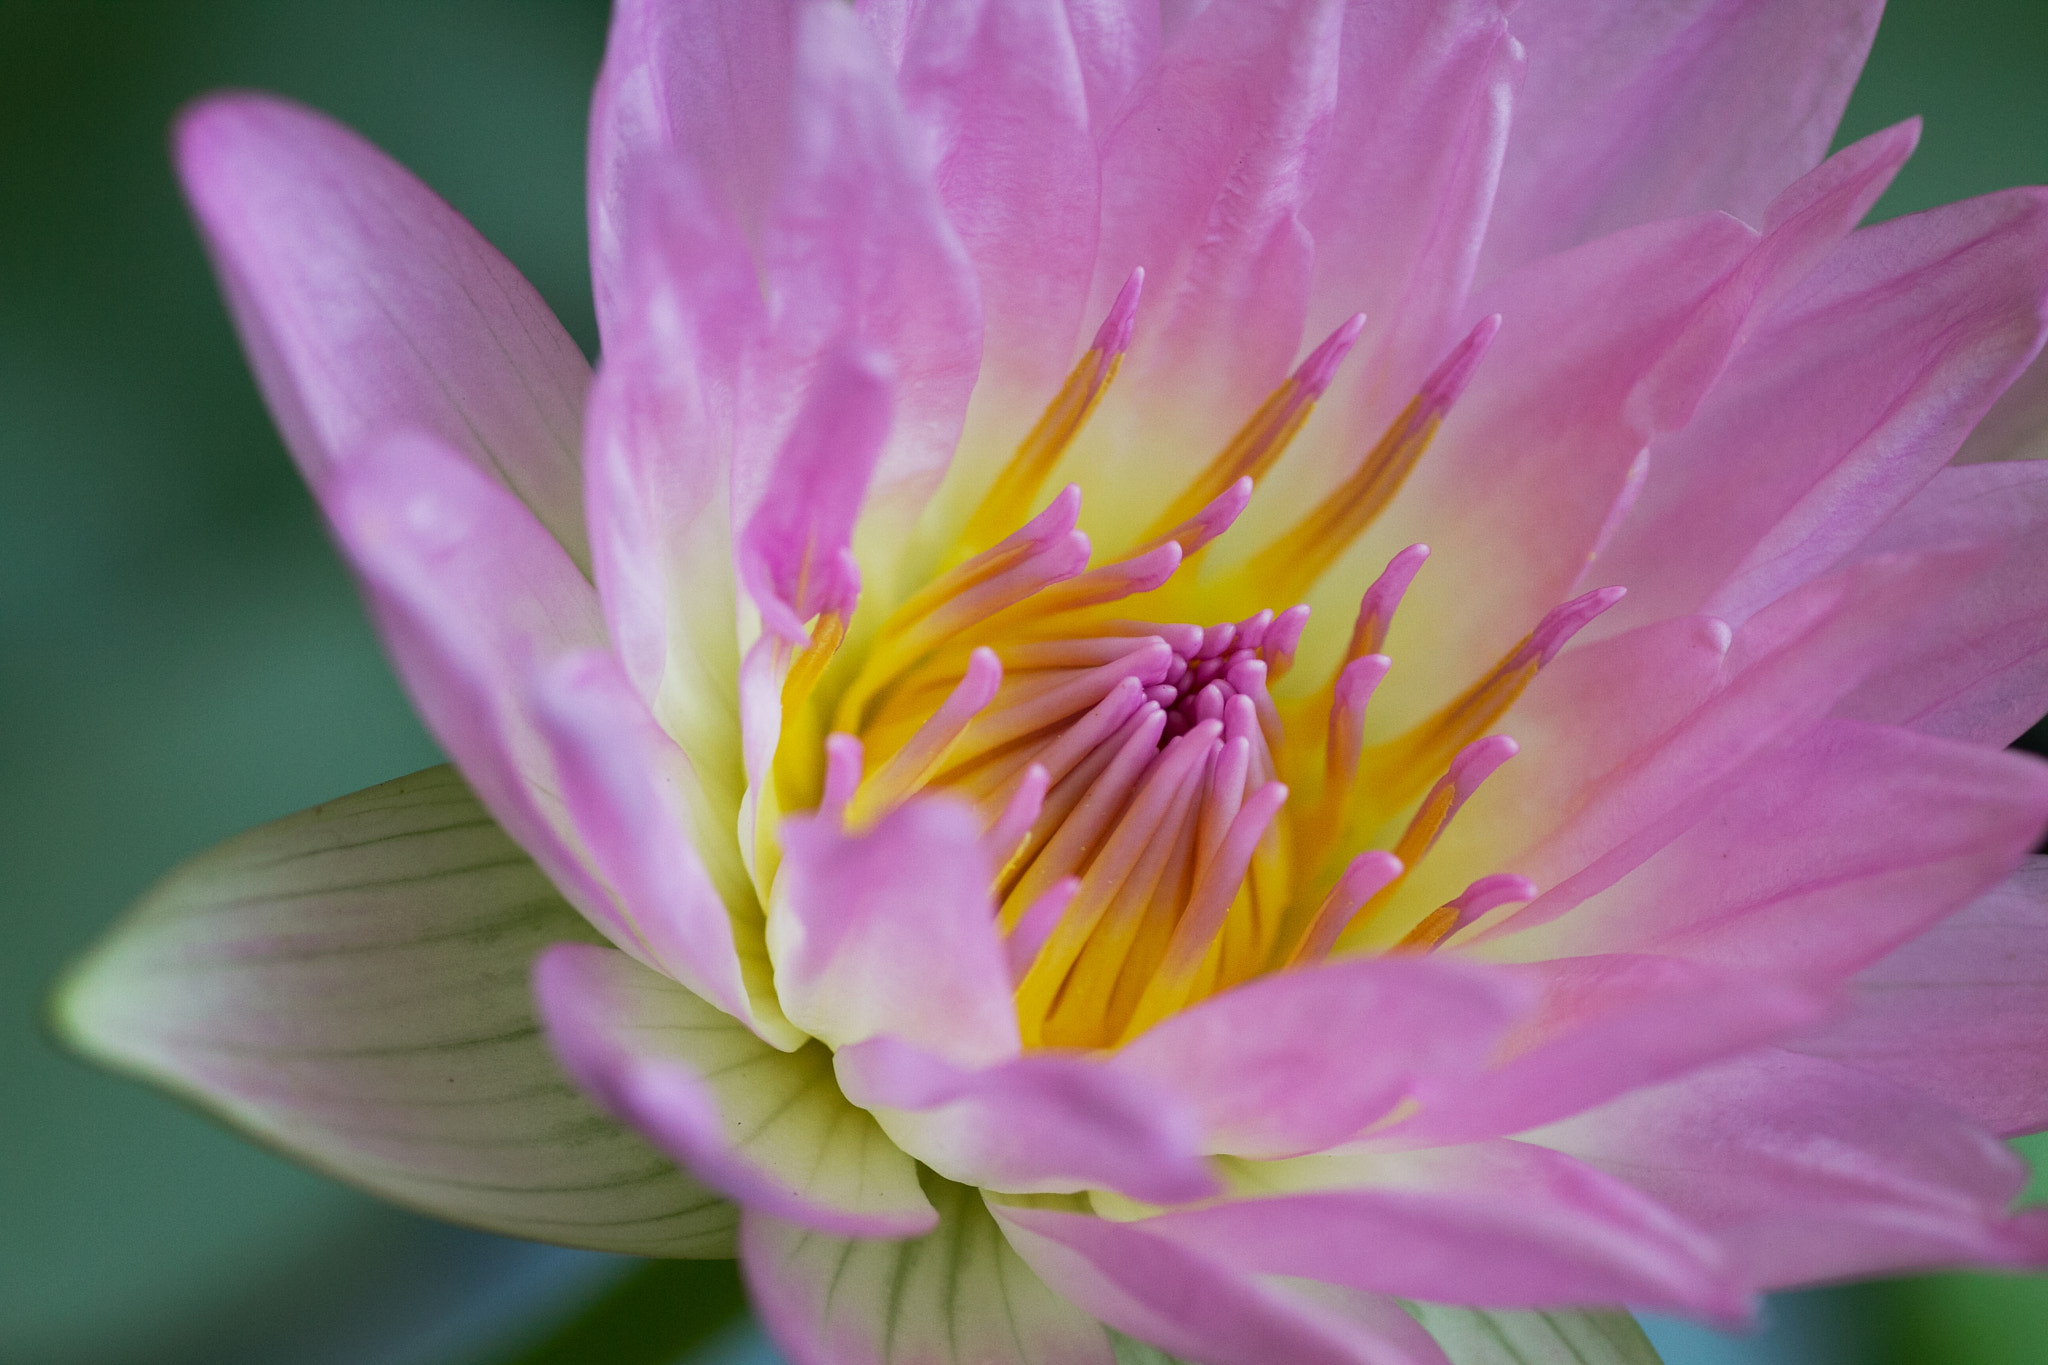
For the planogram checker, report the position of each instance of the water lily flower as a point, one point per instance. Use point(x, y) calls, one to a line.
point(968, 787)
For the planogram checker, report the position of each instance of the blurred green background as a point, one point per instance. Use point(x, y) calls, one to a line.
point(181, 656)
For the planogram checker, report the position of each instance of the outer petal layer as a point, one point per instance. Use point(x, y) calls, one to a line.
point(956, 1296)
point(770, 1128)
point(367, 305)
point(1980, 672)
point(1808, 1171)
point(1195, 1305)
point(350, 983)
point(1637, 112)
point(1843, 403)
point(1961, 1012)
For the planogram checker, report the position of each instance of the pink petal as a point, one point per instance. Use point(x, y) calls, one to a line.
point(1498, 1224)
point(1594, 708)
point(658, 457)
point(1787, 667)
point(1043, 1122)
point(766, 1127)
point(790, 123)
point(959, 1295)
point(796, 554)
point(1204, 177)
point(999, 91)
point(856, 247)
point(891, 930)
point(1400, 200)
point(636, 805)
point(368, 305)
point(1634, 112)
point(469, 591)
point(696, 86)
point(1961, 1012)
point(1979, 672)
point(1199, 1306)
point(1516, 486)
point(1605, 1025)
point(1846, 400)
point(1303, 1061)
point(1809, 1171)
point(1828, 853)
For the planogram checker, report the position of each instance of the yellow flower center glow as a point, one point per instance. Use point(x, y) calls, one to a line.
point(1163, 828)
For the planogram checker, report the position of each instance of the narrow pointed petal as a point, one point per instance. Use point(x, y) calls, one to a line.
point(892, 930)
point(1847, 398)
point(1196, 1305)
point(1604, 1026)
point(796, 553)
point(1204, 178)
point(1399, 208)
point(705, 83)
point(1809, 1171)
point(1632, 113)
point(998, 89)
point(1784, 670)
point(1851, 840)
point(1961, 1012)
point(349, 984)
point(368, 305)
point(959, 1295)
point(658, 463)
point(628, 790)
point(1537, 448)
point(468, 591)
point(1303, 1061)
point(1978, 673)
point(856, 247)
point(1045, 1122)
point(1501, 1223)
point(767, 1127)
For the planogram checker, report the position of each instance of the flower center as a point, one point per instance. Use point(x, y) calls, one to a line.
point(1136, 775)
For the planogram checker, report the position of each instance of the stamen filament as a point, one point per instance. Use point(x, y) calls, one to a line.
point(1063, 419)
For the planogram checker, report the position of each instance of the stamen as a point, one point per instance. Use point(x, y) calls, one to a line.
point(1216, 886)
point(1473, 766)
point(1376, 609)
point(909, 767)
point(1367, 874)
point(1128, 873)
point(1044, 699)
point(1018, 484)
point(1128, 839)
point(1046, 551)
point(1488, 893)
point(1262, 440)
point(843, 758)
point(1141, 573)
point(1211, 521)
point(1291, 564)
point(1094, 800)
point(1282, 640)
point(1426, 747)
point(1024, 942)
point(1005, 838)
